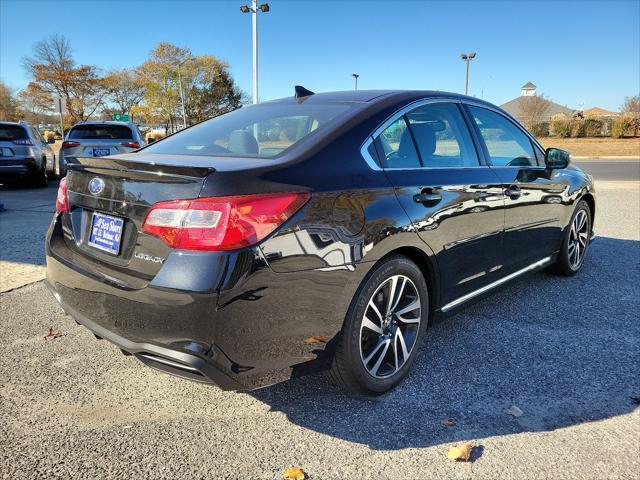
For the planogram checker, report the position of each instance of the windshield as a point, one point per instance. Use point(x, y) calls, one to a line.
point(102, 132)
point(12, 132)
point(261, 131)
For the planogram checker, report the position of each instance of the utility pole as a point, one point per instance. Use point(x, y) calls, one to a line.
point(355, 76)
point(253, 9)
point(467, 58)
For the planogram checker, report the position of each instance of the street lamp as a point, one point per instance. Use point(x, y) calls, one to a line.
point(355, 76)
point(184, 115)
point(254, 8)
point(467, 58)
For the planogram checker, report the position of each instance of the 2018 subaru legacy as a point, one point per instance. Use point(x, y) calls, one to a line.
point(317, 232)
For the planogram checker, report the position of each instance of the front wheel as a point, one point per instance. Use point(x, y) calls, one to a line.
point(575, 242)
point(383, 328)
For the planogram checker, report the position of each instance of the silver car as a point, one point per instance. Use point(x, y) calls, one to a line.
point(99, 139)
point(24, 154)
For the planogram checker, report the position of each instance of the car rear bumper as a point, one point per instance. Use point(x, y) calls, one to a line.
point(239, 324)
point(17, 167)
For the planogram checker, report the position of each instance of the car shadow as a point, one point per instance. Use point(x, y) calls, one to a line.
point(565, 351)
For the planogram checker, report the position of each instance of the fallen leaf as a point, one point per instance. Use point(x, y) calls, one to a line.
point(52, 334)
point(447, 422)
point(514, 411)
point(293, 473)
point(461, 453)
point(315, 340)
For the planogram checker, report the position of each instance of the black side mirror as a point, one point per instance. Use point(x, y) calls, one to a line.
point(51, 140)
point(556, 158)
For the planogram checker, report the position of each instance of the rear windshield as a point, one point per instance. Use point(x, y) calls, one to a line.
point(261, 131)
point(102, 132)
point(12, 132)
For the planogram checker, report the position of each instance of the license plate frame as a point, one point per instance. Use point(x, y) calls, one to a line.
point(101, 151)
point(106, 237)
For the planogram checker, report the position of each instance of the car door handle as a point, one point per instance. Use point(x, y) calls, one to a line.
point(513, 192)
point(428, 195)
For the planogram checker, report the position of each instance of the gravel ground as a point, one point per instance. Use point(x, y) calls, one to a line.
point(566, 351)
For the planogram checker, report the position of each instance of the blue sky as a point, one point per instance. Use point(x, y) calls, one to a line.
point(576, 52)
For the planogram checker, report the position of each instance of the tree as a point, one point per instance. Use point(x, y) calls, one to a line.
point(631, 108)
point(532, 110)
point(124, 88)
point(54, 69)
point(9, 110)
point(36, 101)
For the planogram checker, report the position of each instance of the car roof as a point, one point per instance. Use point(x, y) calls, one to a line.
point(372, 96)
point(106, 122)
point(19, 124)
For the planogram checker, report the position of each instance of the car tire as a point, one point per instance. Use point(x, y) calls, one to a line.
point(575, 241)
point(41, 179)
point(375, 349)
point(53, 174)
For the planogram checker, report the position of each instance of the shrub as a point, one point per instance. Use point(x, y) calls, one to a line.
point(593, 127)
point(622, 126)
point(48, 135)
point(560, 126)
point(154, 135)
point(577, 127)
point(540, 129)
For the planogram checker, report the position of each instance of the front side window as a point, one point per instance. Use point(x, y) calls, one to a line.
point(261, 131)
point(507, 144)
point(397, 146)
point(442, 136)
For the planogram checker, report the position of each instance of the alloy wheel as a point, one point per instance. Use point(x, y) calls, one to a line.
point(578, 239)
point(390, 326)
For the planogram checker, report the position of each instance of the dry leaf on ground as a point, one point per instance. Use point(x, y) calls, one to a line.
point(461, 453)
point(448, 422)
point(293, 473)
point(52, 334)
point(514, 411)
point(315, 340)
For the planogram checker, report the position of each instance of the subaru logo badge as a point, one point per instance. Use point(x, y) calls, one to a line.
point(96, 185)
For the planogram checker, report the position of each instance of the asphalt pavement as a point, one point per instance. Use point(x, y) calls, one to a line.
point(622, 169)
point(565, 351)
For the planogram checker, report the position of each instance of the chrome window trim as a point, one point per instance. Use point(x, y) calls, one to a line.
point(500, 281)
point(364, 151)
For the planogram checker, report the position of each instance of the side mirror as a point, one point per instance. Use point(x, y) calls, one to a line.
point(556, 158)
point(51, 140)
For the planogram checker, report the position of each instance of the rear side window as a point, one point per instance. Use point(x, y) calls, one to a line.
point(100, 132)
point(12, 132)
point(506, 143)
point(442, 136)
point(262, 131)
point(396, 143)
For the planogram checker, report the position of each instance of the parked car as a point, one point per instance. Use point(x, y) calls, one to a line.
point(333, 245)
point(24, 154)
point(99, 139)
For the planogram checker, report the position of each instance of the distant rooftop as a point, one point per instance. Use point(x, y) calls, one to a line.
point(528, 86)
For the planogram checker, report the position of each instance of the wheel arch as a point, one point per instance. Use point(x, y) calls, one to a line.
point(591, 201)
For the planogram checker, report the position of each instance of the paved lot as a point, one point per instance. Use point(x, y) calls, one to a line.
point(627, 169)
point(565, 351)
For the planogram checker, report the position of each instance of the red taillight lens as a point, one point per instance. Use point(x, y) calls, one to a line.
point(23, 141)
point(221, 223)
point(68, 144)
point(62, 200)
point(131, 144)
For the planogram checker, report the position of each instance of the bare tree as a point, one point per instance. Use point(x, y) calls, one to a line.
point(54, 69)
point(532, 109)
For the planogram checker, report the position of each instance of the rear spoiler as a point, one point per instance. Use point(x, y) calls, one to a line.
point(117, 164)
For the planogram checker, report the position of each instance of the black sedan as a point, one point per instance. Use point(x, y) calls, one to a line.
point(317, 232)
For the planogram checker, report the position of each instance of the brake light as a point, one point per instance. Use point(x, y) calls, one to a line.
point(23, 141)
point(62, 200)
point(130, 144)
point(221, 223)
point(68, 144)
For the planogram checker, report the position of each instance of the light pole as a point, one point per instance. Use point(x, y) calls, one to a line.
point(254, 8)
point(184, 115)
point(467, 58)
point(355, 76)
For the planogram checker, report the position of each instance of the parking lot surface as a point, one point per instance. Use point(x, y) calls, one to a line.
point(565, 351)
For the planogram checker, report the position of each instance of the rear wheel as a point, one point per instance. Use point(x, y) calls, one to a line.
point(40, 178)
point(383, 329)
point(575, 242)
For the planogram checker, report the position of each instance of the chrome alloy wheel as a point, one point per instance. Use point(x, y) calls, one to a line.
point(390, 326)
point(578, 239)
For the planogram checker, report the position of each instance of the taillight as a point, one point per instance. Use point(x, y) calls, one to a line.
point(130, 144)
point(221, 223)
point(68, 144)
point(23, 141)
point(62, 200)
